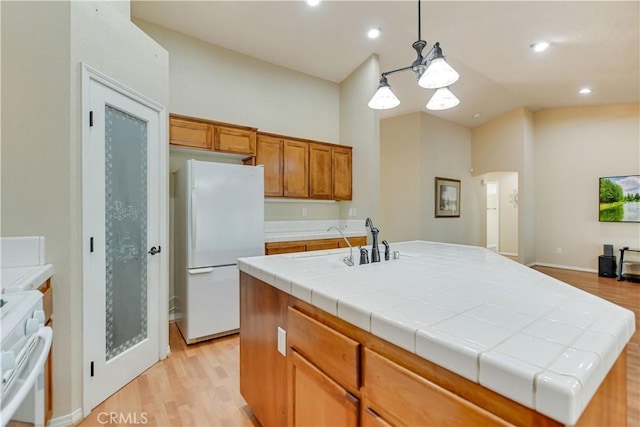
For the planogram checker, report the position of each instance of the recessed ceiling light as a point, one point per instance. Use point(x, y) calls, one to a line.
point(374, 33)
point(476, 115)
point(540, 46)
point(313, 2)
point(585, 91)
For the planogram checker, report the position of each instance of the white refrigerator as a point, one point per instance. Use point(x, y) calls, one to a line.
point(218, 218)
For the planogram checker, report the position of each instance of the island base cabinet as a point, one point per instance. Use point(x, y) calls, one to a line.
point(315, 399)
point(337, 374)
point(403, 398)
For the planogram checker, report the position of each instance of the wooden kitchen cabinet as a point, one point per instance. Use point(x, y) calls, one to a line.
point(389, 385)
point(47, 304)
point(203, 134)
point(320, 171)
point(315, 399)
point(299, 168)
point(323, 374)
point(274, 248)
point(234, 140)
point(330, 170)
point(401, 397)
point(341, 165)
point(321, 245)
point(189, 133)
point(353, 241)
point(269, 153)
point(296, 169)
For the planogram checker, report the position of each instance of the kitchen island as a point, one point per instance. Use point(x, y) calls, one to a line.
point(445, 334)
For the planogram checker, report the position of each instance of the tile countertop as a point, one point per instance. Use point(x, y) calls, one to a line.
point(22, 263)
point(525, 335)
point(285, 231)
point(15, 279)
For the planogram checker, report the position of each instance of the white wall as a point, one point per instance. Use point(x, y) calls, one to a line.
point(446, 153)
point(211, 82)
point(43, 44)
point(400, 185)
point(360, 129)
point(573, 148)
point(415, 149)
point(506, 143)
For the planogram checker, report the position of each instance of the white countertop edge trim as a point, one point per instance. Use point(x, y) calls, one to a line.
point(28, 277)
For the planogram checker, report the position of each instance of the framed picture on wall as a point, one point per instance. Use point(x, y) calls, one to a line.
point(447, 198)
point(620, 198)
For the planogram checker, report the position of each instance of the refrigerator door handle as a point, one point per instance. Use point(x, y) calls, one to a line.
point(200, 270)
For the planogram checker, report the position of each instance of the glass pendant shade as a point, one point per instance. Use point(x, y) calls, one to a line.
point(438, 74)
point(443, 99)
point(384, 98)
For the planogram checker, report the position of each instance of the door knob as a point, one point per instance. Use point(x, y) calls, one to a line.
point(155, 250)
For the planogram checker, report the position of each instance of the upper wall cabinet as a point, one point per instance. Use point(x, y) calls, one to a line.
point(296, 169)
point(191, 132)
point(301, 169)
point(342, 171)
point(321, 177)
point(270, 154)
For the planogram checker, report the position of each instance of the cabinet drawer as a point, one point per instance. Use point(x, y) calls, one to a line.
point(354, 241)
point(333, 353)
point(404, 398)
point(47, 299)
point(322, 245)
point(283, 248)
point(187, 133)
point(232, 140)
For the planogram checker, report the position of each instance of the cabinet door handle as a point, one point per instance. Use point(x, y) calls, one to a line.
point(351, 398)
point(372, 412)
point(155, 250)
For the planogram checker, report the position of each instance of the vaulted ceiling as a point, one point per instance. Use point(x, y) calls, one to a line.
point(593, 43)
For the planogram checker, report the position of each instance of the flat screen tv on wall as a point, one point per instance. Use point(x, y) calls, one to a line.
point(620, 198)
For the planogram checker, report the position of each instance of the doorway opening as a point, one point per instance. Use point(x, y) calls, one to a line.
point(501, 218)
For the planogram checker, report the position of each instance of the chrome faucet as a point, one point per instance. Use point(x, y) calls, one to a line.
point(375, 253)
point(347, 260)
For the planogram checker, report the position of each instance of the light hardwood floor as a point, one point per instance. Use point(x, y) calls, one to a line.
point(198, 385)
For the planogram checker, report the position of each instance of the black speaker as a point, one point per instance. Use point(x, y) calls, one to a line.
point(607, 266)
point(608, 250)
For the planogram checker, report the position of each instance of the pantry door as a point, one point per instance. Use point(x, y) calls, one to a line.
point(123, 248)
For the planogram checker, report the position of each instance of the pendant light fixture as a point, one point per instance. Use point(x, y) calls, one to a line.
point(432, 72)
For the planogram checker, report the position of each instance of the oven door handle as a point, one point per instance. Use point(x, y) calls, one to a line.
point(45, 333)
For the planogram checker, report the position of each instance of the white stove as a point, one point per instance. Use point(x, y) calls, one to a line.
point(24, 347)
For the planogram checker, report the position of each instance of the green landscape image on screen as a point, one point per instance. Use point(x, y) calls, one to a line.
point(620, 199)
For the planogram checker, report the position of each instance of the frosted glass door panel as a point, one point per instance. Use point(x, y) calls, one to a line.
point(126, 230)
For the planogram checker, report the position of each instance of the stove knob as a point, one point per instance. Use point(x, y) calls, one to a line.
point(7, 360)
point(31, 327)
point(39, 316)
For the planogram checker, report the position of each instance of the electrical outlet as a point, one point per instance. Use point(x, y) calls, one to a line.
point(282, 341)
point(353, 211)
point(559, 250)
point(304, 211)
